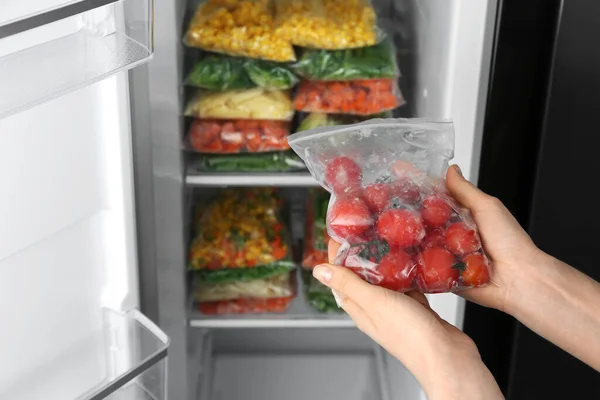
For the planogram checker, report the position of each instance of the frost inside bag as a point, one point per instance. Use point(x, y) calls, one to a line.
point(237, 136)
point(241, 104)
point(238, 28)
point(361, 97)
point(397, 225)
point(327, 24)
point(372, 62)
point(221, 72)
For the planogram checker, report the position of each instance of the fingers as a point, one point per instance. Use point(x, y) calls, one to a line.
point(348, 284)
point(464, 191)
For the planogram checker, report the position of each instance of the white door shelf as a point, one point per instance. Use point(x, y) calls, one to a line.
point(125, 358)
point(50, 53)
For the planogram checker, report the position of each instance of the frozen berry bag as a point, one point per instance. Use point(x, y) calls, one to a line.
point(397, 225)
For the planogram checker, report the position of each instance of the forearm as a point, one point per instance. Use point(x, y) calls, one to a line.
point(561, 304)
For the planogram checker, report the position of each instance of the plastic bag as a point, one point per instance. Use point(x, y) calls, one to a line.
point(327, 24)
point(397, 225)
point(237, 136)
point(319, 120)
point(247, 104)
point(238, 28)
point(364, 97)
point(373, 62)
point(315, 230)
point(221, 72)
point(239, 228)
point(282, 161)
point(246, 306)
point(267, 288)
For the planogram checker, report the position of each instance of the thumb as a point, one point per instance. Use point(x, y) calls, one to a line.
point(464, 191)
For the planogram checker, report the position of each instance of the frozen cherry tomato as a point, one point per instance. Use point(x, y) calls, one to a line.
point(437, 272)
point(406, 191)
point(405, 170)
point(397, 270)
point(349, 216)
point(462, 239)
point(433, 238)
point(476, 270)
point(400, 228)
point(377, 196)
point(436, 212)
point(342, 173)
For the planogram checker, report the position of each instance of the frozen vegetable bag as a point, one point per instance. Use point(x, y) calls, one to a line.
point(390, 211)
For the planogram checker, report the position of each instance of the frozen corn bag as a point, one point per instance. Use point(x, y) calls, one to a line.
point(238, 28)
point(327, 24)
point(397, 225)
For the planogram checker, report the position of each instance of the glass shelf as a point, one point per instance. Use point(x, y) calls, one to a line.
point(54, 52)
point(124, 359)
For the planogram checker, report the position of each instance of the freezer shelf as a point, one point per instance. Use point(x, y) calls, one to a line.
point(124, 360)
point(283, 179)
point(298, 315)
point(54, 52)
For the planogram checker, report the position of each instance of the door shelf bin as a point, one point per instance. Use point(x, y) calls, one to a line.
point(124, 359)
point(83, 42)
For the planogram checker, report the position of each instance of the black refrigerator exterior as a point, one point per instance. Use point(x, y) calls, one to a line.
point(541, 157)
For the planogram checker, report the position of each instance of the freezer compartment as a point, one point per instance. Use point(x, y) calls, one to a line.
point(227, 370)
point(69, 46)
point(124, 359)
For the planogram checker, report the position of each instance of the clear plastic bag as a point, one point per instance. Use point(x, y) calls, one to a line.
point(361, 97)
point(315, 230)
point(241, 104)
point(238, 136)
point(221, 72)
point(239, 28)
point(319, 296)
point(397, 225)
point(372, 62)
point(273, 286)
point(280, 161)
point(327, 24)
point(239, 228)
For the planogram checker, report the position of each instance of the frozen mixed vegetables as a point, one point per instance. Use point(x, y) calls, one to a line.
point(246, 306)
point(282, 161)
point(274, 286)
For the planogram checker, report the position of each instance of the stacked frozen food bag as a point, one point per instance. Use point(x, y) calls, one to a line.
point(347, 64)
point(242, 107)
point(314, 253)
point(240, 254)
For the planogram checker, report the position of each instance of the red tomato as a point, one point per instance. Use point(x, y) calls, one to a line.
point(476, 270)
point(433, 238)
point(436, 212)
point(397, 270)
point(400, 228)
point(461, 239)
point(406, 191)
point(377, 196)
point(405, 170)
point(343, 173)
point(349, 216)
point(436, 270)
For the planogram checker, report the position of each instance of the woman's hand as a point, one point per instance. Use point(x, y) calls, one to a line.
point(513, 254)
point(444, 360)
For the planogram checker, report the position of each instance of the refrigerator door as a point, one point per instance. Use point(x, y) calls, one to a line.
point(68, 264)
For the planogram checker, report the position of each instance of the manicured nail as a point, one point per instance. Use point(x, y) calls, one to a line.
point(322, 273)
point(457, 169)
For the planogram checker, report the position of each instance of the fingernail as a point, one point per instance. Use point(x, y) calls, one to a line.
point(322, 273)
point(457, 169)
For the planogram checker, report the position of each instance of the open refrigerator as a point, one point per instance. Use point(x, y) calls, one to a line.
point(96, 197)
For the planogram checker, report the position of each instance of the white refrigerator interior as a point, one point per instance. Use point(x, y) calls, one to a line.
point(68, 255)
